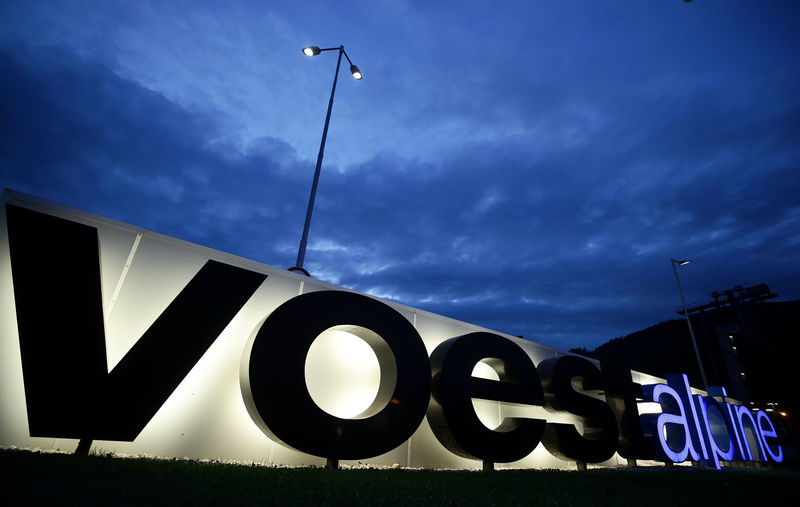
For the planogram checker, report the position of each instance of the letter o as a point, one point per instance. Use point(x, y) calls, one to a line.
point(273, 384)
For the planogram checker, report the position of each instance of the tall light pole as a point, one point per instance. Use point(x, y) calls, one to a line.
point(674, 263)
point(313, 51)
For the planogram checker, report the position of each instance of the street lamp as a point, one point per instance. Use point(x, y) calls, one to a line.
point(675, 262)
point(313, 51)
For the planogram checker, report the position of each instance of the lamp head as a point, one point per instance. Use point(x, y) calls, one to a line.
point(681, 263)
point(356, 72)
point(311, 50)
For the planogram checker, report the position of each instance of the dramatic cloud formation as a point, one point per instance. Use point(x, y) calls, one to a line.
point(527, 167)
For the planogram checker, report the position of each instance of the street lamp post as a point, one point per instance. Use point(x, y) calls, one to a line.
point(675, 262)
point(313, 51)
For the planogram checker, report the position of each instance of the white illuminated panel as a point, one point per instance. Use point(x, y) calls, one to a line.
point(205, 417)
point(342, 373)
point(488, 411)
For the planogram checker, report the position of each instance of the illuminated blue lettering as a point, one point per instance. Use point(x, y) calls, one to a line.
point(717, 430)
point(732, 419)
point(762, 417)
point(741, 411)
point(714, 427)
point(671, 427)
point(680, 383)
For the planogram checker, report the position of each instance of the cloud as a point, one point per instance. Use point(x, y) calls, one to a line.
point(565, 246)
point(534, 179)
point(77, 133)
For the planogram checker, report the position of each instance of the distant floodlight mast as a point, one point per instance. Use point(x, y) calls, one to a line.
point(675, 262)
point(313, 51)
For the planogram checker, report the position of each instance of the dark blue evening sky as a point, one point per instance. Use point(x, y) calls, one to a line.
point(528, 166)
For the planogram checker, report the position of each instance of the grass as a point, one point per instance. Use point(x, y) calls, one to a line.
point(31, 478)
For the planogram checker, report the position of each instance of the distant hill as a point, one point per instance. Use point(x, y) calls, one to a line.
point(768, 349)
point(658, 350)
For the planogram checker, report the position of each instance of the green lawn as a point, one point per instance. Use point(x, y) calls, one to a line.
point(40, 478)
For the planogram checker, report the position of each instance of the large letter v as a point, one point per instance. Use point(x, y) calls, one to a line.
point(68, 389)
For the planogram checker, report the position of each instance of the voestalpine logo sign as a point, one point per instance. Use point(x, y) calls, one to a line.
point(140, 343)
